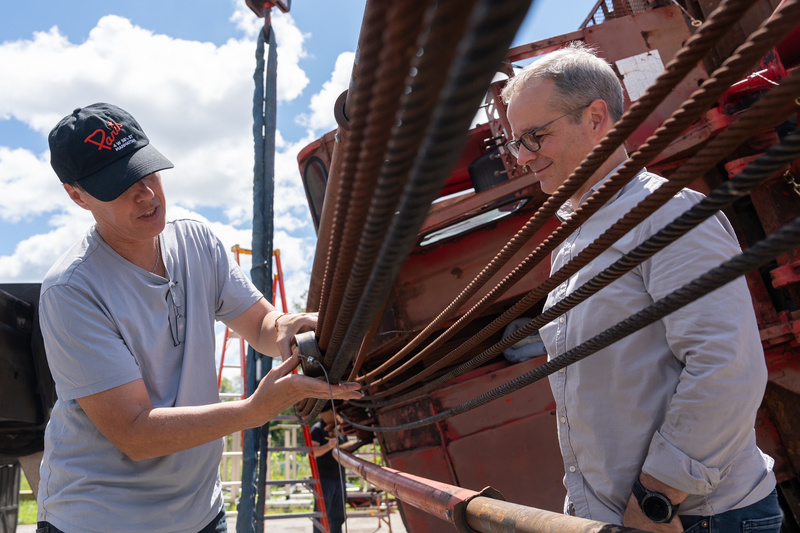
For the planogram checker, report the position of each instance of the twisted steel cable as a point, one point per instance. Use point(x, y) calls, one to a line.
point(491, 28)
point(775, 103)
point(358, 97)
point(446, 22)
point(758, 43)
point(762, 252)
point(718, 22)
point(362, 82)
point(763, 168)
point(395, 59)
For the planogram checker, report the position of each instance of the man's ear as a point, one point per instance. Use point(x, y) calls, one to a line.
point(76, 195)
point(599, 118)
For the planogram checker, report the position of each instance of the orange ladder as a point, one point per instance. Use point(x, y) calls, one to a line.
point(320, 517)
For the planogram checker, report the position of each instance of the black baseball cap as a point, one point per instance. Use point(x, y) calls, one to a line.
point(104, 149)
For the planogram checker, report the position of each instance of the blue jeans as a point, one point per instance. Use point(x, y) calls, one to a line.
point(762, 517)
point(218, 525)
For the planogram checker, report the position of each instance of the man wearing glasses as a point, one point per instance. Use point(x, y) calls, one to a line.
point(135, 438)
point(656, 431)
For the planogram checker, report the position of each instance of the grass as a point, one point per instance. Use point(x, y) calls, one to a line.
point(27, 508)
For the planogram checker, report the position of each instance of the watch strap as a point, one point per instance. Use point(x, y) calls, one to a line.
point(642, 495)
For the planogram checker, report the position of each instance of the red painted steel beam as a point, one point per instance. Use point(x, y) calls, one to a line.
point(467, 510)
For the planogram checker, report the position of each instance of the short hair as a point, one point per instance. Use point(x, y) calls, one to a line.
point(579, 75)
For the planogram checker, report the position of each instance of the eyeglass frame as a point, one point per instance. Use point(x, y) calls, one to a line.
point(513, 145)
point(177, 325)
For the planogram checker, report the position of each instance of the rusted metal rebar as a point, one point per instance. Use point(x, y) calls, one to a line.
point(358, 97)
point(490, 31)
point(684, 61)
point(772, 107)
point(401, 110)
point(760, 253)
point(771, 32)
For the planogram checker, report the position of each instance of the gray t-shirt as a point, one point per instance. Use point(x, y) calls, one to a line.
point(107, 322)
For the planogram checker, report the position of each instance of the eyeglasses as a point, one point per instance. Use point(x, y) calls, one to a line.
point(177, 321)
point(529, 139)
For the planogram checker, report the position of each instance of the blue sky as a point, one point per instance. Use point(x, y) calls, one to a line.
point(185, 71)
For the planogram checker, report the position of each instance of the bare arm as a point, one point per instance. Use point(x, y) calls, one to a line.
point(268, 330)
point(321, 449)
point(126, 416)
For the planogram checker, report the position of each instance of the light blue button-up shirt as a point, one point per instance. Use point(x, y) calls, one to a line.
point(677, 399)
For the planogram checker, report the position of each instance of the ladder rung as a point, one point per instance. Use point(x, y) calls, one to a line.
point(291, 515)
point(291, 481)
point(367, 514)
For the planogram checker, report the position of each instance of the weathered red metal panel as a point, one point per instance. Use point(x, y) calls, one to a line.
point(439, 273)
point(432, 464)
point(487, 446)
point(520, 459)
point(532, 400)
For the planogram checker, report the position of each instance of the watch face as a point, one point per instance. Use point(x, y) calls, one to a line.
point(656, 508)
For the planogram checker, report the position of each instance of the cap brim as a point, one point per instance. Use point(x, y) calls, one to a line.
point(110, 182)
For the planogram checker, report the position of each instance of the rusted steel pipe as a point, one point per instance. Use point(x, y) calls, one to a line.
point(439, 499)
point(496, 516)
point(468, 510)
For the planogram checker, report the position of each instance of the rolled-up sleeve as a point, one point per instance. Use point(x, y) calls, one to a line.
point(710, 418)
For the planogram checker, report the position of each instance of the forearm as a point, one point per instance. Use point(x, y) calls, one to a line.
point(322, 449)
point(270, 331)
point(266, 342)
point(126, 416)
point(163, 431)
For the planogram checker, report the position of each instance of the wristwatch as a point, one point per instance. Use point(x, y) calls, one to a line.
point(655, 506)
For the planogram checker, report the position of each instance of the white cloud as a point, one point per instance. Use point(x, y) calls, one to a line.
point(34, 256)
point(29, 186)
point(194, 101)
point(322, 104)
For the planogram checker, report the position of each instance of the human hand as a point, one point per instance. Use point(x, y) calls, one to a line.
point(281, 389)
point(290, 324)
point(634, 517)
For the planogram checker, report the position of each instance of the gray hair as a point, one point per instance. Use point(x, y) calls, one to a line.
point(579, 75)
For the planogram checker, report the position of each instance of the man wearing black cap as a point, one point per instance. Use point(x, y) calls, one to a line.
point(135, 438)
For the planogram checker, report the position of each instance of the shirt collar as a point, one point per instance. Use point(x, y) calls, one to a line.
point(567, 210)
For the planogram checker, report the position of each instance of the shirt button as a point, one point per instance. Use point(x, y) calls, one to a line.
point(563, 419)
point(563, 370)
point(561, 320)
point(572, 469)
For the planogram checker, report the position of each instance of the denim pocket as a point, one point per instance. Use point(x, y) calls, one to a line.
point(771, 523)
point(695, 528)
